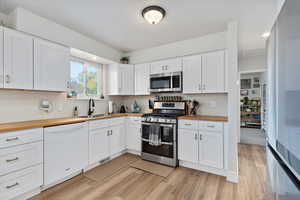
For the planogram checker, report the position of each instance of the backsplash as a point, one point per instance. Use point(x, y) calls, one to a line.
point(24, 105)
point(210, 104)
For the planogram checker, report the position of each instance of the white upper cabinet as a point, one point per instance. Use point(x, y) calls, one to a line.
point(127, 79)
point(166, 66)
point(120, 79)
point(18, 60)
point(142, 79)
point(51, 66)
point(1, 59)
point(213, 72)
point(192, 74)
point(204, 73)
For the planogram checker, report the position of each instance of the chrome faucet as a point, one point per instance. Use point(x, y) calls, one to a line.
point(91, 107)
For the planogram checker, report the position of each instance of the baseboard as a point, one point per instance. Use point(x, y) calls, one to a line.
point(197, 166)
point(134, 152)
point(232, 177)
point(28, 195)
point(91, 166)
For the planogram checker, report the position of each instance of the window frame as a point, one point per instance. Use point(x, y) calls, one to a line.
point(86, 64)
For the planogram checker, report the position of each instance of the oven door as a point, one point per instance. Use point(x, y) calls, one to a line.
point(167, 146)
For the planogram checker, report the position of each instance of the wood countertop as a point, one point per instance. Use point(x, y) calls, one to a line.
point(205, 118)
point(14, 126)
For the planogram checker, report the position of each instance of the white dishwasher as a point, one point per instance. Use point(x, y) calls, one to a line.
point(65, 152)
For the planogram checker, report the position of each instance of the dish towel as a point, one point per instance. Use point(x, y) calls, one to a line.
point(155, 135)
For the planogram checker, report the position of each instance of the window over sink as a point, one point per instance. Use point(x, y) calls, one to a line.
point(85, 79)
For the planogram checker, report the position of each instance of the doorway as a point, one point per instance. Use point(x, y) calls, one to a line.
point(253, 107)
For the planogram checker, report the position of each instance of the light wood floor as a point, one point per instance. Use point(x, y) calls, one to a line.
point(115, 180)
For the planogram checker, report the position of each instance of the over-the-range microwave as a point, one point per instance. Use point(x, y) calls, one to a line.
point(166, 82)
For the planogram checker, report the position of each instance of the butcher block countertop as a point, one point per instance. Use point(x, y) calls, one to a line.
point(14, 126)
point(205, 118)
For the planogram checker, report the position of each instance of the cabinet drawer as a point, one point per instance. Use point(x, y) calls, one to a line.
point(188, 124)
point(20, 157)
point(99, 124)
point(20, 137)
point(211, 126)
point(20, 182)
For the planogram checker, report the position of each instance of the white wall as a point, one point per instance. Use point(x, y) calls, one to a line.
point(28, 22)
point(187, 47)
point(252, 62)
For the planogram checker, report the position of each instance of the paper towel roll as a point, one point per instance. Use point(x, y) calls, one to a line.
point(110, 107)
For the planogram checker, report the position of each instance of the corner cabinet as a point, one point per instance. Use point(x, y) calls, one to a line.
point(204, 73)
point(18, 60)
point(201, 145)
point(51, 66)
point(120, 79)
point(142, 79)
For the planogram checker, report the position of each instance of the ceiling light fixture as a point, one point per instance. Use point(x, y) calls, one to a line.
point(266, 35)
point(153, 14)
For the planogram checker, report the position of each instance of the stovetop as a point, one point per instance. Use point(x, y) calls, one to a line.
point(162, 115)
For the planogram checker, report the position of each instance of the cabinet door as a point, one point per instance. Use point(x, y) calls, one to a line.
point(213, 72)
point(113, 80)
point(65, 151)
point(18, 60)
point(127, 79)
point(211, 149)
point(166, 66)
point(1, 59)
point(98, 145)
point(51, 66)
point(134, 138)
point(142, 79)
point(192, 74)
point(188, 145)
point(117, 140)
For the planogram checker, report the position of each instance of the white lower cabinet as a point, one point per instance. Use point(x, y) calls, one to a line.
point(65, 151)
point(202, 145)
point(21, 163)
point(17, 184)
point(188, 145)
point(106, 139)
point(133, 134)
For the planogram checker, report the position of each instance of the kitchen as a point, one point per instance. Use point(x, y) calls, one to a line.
point(81, 119)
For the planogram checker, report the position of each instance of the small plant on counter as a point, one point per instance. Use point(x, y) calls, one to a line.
point(125, 60)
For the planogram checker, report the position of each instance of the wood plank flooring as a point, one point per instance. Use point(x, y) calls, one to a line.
point(127, 183)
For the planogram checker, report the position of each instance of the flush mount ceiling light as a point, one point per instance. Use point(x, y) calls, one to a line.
point(153, 14)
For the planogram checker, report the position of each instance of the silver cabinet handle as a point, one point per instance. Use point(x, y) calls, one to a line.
point(11, 160)
point(200, 138)
point(188, 124)
point(166, 67)
point(196, 136)
point(204, 87)
point(7, 79)
point(111, 132)
point(199, 87)
point(13, 185)
point(11, 139)
point(107, 133)
point(68, 85)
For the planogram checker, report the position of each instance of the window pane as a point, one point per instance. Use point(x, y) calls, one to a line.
point(77, 79)
point(92, 81)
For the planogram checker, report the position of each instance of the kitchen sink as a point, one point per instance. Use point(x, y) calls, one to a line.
point(93, 116)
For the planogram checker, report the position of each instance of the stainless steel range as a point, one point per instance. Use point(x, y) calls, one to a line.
point(159, 133)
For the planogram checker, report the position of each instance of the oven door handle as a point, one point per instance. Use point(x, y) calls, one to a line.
point(162, 125)
point(164, 143)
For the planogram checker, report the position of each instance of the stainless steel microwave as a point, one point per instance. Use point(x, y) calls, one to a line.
point(166, 82)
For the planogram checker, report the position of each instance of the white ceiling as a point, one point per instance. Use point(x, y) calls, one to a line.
point(119, 22)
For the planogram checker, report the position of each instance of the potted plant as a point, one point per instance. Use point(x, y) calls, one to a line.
point(125, 60)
